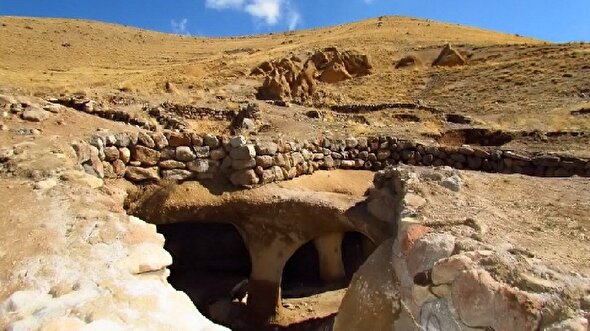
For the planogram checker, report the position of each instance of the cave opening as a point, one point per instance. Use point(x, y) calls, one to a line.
point(356, 248)
point(209, 260)
point(301, 274)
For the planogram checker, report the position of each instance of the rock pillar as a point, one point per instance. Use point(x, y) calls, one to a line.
point(329, 249)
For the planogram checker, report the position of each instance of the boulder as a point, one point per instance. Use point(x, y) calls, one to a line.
point(34, 114)
point(408, 61)
point(372, 301)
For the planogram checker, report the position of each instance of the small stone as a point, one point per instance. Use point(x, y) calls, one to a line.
point(202, 152)
point(452, 183)
point(243, 152)
point(160, 140)
point(351, 142)
point(244, 178)
point(122, 139)
point(137, 174)
point(119, 168)
point(237, 141)
point(82, 151)
point(184, 154)
point(145, 155)
point(111, 153)
point(264, 161)
point(243, 164)
point(45, 185)
point(198, 165)
point(176, 139)
point(145, 140)
point(176, 174)
point(428, 250)
point(211, 141)
point(217, 154)
point(124, 154)
point(266, 148)
point(171, 164)
point(53, 108)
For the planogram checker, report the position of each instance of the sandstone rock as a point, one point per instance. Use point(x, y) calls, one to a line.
point(138, 174)
point(146, 156)
point(198, 165)
point(266, 148)
point(275, 87)
point(184, 154)
point(449, 57)
point(334, 73)
point(244, 178)
point(244, 152)
point(428, 250)
point(34, 114)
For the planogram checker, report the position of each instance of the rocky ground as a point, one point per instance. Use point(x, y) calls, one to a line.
point(74, 259)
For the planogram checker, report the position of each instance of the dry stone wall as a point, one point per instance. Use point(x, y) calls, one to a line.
point(186, 155)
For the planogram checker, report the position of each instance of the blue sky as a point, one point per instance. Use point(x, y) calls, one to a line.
point(551, 20)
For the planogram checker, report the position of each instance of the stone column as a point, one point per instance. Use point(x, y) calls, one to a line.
point(329, 249)
point(264, 285)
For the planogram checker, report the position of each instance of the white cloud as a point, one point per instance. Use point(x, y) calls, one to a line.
point(271, 12)
point(223, 4)
point(180, 27)
point(293, 18)
point(267, 10)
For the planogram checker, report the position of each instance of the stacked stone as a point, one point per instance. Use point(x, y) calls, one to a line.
point(187, 155)
point(365, 108)
point(92, 107)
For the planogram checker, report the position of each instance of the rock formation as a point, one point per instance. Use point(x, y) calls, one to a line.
point(449, 57)
point(291, 78)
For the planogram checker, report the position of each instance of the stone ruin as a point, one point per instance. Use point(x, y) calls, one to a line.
point(292, 78)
